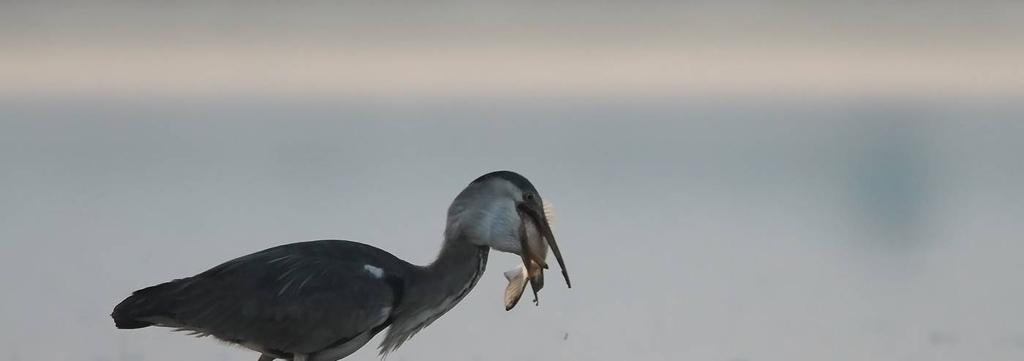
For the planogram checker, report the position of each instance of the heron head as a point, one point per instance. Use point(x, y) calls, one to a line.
point(504, 211)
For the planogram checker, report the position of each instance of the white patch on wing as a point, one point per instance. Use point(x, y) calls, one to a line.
point(374, 270)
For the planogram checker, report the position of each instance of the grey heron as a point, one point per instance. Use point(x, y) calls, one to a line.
point(323, 300)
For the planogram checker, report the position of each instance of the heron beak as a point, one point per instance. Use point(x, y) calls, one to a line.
point(537, 215)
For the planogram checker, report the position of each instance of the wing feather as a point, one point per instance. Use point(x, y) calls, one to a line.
point(296, 298)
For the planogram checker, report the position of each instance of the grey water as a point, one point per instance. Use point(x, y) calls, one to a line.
point(694, 228)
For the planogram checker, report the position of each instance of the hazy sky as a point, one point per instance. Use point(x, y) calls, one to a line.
point(500, 48)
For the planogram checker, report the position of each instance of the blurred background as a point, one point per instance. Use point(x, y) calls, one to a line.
point(733, 181)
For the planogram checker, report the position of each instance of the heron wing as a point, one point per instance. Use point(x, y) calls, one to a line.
point(296, 298)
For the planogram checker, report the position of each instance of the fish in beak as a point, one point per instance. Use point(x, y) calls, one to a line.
point(516, 277)
point(536, 236)
point(527, 271)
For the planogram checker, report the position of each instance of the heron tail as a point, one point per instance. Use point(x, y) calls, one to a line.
point(147, 303)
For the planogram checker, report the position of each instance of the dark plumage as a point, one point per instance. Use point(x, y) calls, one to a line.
point(512, 177)
point(301, 297)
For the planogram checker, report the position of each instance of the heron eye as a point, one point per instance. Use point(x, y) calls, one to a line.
point(528, 196)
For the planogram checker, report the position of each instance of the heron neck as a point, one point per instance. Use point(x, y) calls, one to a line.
point(435, 289)
point(453, 274)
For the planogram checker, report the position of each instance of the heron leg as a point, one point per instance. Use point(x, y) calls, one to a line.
point(265, 357)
